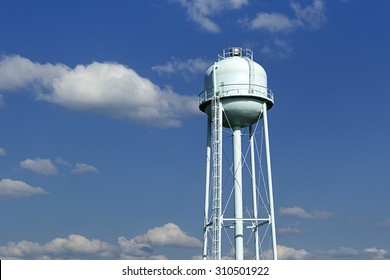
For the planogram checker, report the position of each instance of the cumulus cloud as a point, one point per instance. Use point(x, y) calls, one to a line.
point(83, 168)
point(17, 72)
point(298, 212)
point(287, 253)
point(77, 246)
point(73, 247)
point(188, 67)
point(169, 234)
point(15, 188)
point(202, 11)
point(39, 165)
point(130, 249)
point(2, 152)
point(141, 246)
point(109, 88)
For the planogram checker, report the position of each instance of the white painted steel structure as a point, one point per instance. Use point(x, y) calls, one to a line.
point(236, 98)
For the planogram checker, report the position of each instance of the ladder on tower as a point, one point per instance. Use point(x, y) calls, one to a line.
point(251, 75)
point(216, 108)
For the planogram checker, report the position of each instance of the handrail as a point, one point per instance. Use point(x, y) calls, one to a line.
point(236, 90)
point(235, 51)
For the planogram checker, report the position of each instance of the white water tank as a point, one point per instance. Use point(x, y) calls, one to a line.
point(241, 85)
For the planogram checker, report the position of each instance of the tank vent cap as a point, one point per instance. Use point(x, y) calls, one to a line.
point(235, 52)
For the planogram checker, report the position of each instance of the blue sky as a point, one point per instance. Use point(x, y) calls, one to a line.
point(102, 145)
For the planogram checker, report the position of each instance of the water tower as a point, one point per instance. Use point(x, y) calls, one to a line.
point(238, 190)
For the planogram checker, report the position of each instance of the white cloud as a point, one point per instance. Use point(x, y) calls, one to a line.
point(131, 249)
point(141, 246)
point(298, 212)
point(19, 72)
point(22, 249)
point(287, 253)
point(47, 167)
point(273, 22)
point(61, 161)
point(2, 152)
point(39, 165)
point(202, 11)
point(14, 188)
point(341, 253)
point(77, 246)
point(348, 253)
point(277, 48)
point(376, 254)
point(169, 234)
point(288, 231)
point(83, 168)
point(109, 88)
point(311, 16)
point(190, 66)
point(73, 247)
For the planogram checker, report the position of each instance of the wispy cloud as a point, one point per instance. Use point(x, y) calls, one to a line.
point(39, 165)
point(108, 88)
point(288, 231)
point(311, 16)
point(348, 253)
point(298, 212)
point(15, 188)
point(340, 253)
point(188, 67)
point(202, 11)
point(48, 167)
point(272, 22)
point(385, 224)
point(84, 168)
point(2, 152)
point(288, 253)
point(277, 48)
point(61, 161)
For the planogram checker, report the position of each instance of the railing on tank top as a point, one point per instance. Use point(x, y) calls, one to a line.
point(229, 90)
point(235, 51)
